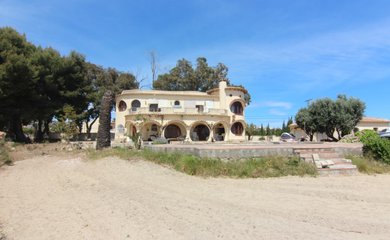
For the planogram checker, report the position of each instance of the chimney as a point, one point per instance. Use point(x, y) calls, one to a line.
point(222, 94)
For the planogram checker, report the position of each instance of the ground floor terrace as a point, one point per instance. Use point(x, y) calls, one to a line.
point(184, 130)
point(248, 150)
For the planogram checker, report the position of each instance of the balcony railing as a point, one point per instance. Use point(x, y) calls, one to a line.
point(171, 110)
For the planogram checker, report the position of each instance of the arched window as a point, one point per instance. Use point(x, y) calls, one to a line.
point(237, 108)
point(122, 106)
point(177, 103)
point(135, 104)
point(172, 131)
point(237, 129)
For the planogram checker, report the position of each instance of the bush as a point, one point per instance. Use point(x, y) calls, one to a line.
point(350, 139)
point(374, 146)
point(4, 157)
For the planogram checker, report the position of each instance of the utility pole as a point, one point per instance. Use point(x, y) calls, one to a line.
point(153, 66)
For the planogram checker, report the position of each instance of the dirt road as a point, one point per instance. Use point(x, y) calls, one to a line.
point(50, 197)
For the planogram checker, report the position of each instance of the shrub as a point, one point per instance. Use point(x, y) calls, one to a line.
point(4, 157)
point(374, 146)
point(160, 141)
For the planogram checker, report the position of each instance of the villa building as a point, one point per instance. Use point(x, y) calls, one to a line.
point(215, 115)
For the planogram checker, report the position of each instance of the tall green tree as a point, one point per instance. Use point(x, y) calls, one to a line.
point(184, 77)
point(284, 126)
point(306, 122)
point(289, 122)
point(350, 112)
point(268, 130)
point(330, 117)
point(262, 131)
point(47, 64)
point(16, 85)
point(250, 130)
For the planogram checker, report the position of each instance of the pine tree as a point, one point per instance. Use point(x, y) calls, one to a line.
point(262, 132)
point(268, 130)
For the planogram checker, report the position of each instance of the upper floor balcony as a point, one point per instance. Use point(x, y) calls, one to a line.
point(179, 111)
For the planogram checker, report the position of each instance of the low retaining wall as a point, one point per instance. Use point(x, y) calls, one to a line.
point(237, 151)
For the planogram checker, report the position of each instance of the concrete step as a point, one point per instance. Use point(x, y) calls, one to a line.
point(339, 169)
point(329, 155)
point(333, 172)
point(343, 166)
point(303, 150)
point(328, 161)
point(321, 155)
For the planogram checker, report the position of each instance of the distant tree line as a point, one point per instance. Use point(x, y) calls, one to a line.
point(253, 130)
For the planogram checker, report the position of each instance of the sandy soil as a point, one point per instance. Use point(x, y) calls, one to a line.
point(57, 197)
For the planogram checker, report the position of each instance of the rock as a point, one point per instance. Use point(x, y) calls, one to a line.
point(2, 135)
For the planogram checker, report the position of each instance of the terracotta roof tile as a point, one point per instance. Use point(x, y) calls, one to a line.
point(376, 120)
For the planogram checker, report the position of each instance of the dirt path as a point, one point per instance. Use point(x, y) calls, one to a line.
point(50, 197)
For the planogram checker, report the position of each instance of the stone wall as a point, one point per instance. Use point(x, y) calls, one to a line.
point(238, 151)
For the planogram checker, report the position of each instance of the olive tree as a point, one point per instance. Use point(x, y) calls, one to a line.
point(335, 118)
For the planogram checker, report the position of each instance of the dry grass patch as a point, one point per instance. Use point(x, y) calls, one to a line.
point(370, 165)
point(273, 166)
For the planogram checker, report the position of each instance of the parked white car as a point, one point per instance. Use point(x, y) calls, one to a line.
point(385, 133)
point(287, 137)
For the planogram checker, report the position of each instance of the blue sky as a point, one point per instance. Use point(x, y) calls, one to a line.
point(284, 52)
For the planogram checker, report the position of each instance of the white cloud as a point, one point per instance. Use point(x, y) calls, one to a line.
point(277, 112)
point(272, 104)
point(285, 105)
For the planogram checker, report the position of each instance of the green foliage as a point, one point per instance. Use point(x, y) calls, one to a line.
point(289, 122)
point(268, 131)
point(192, 165)
point(183, 77)
point(66, 125)
point(250, 130)
point(369, 165)
point(262, 131)
point(329, 116)
point(16, 73)
point(36, 82)
point(306, 121)
point(103, 80)
point(375, 146)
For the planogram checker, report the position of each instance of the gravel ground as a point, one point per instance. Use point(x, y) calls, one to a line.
point(66, 197)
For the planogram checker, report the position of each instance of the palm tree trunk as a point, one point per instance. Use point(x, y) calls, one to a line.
point(103, 135)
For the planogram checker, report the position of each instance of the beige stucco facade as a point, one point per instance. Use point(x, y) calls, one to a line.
point(376, 124)
point(216, 115)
